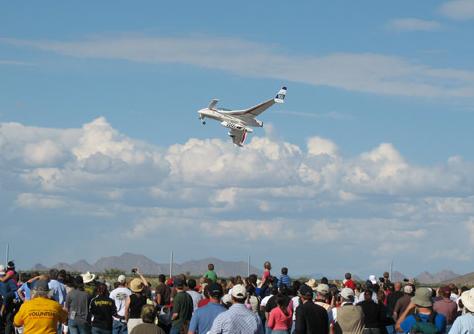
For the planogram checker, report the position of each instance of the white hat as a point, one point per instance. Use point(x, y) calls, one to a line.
point(226, 299)
point(312, 283)
point(239, 291)
point(88, 277)
point(372, 279)
point(347, 293)
point(121, 279)
point(2, 270)
point(467, 298)
point(322, 288)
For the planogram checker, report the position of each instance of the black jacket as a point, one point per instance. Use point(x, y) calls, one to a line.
point(311, 319)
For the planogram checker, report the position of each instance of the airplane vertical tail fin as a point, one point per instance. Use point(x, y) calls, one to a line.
point(280, 97)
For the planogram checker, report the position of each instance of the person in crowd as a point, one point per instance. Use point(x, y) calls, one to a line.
point(419, 315)
point(182, 308)
point(196, 296)
point(252, 301)
point(267, 267)
point(135, 302)
point(77, 305)
point(58, 290)
point(373, 316)
point(445, 306)
point(464, 324)
point(206, 299)
point(120, 295)
point(280, 318)
point(348, 318)
point(403, 302)
point(102, 309)
point(148, 317)
point(323, 300)
point(237, 319)
point(40, 314)
point(163, 292)
point(310, 317)
point(203, 317)
point(210, 274)
point(348, 282)
point(90, 283)
point(284, 278)
point(393, 297)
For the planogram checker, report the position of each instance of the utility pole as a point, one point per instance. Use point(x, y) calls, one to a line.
point(248, 267)
point(171, 264)
point(7, 255)
point(391, 268)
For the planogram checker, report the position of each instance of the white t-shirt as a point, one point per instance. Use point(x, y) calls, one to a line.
point(196, 296)
point(296, 303)
point(120, 295)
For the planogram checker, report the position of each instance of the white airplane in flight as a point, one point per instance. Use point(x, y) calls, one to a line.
point(239, 122)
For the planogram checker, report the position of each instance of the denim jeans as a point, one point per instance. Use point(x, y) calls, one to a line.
point(76, 327)
point(96, 330)
point(119, 327)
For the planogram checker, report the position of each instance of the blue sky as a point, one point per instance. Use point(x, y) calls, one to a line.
point(100, 138)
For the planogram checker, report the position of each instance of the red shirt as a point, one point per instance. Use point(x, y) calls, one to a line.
point(350, 284)
point(279, 321)
point(203, 302)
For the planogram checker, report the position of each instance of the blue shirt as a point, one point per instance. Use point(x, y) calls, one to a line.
point(463, 324)
point(26, 290)
point(284, 280)
point(439, 321)
point(203, 317)
point(58, 291)
point(238, 319)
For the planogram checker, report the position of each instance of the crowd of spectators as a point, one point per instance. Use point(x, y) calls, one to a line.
point(59, 302)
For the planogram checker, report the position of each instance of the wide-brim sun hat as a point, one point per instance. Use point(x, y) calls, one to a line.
point(422, 297)
point(88, 277)
point(467, 298)
point(312, 283)
point(136, 285)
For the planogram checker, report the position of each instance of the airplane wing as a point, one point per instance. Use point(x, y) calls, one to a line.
point(238, 136)
point(260, 108)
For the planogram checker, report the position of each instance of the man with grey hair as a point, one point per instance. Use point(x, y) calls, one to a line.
point(403, 302)
point(40, 314)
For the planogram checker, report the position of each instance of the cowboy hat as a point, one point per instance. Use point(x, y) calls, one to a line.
point(88, 277)
point(312, 283)
point(467, 298)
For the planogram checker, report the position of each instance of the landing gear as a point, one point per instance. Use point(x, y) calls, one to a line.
point(203, 122)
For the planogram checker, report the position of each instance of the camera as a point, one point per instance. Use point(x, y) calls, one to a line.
point(134, 270)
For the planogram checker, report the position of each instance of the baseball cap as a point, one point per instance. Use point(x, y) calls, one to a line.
point(239, 291)
point(306, 290)
point(215, 289)
point(372, 279)
point(347, 293)
point(121, 279)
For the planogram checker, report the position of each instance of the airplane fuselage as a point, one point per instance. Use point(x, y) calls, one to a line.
point(230, 121)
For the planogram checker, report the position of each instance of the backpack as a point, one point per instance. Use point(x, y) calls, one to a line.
point(424, 327)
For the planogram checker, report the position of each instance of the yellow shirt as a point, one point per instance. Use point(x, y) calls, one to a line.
point(40, 315)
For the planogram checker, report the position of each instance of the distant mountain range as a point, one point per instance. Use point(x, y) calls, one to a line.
point(127, 261)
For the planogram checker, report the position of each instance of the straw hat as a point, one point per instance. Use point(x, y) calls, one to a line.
point(312, 283)
point(136, 285)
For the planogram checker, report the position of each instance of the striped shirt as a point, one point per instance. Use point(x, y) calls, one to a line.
point(237, 320)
